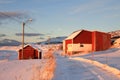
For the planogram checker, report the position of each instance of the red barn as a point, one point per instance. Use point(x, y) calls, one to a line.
point(30, 52)
point(86, 41)
point(100, 41)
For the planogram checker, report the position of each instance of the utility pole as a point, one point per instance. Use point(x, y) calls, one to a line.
point(23, 27)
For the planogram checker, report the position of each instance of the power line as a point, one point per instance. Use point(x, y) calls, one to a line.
point(33, 29)
point(17, 20)
point(4, 14)
point(36, 31)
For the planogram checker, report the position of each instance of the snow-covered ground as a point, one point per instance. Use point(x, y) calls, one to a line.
point(12, 48)
point(20, 70)
point(68, 69)
point(8, 55)
point(11, 52)
point(32, 69)
point(110, 57)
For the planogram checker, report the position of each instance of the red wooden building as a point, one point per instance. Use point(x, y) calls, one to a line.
point(100, 41)
point(86, 41)
point(30, 52)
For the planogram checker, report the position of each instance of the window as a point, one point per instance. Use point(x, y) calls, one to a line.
point(81, 45)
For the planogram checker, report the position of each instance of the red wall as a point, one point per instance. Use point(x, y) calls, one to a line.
point(100, 41)
point(69, 41)
point(29, 52)
point(83, 37)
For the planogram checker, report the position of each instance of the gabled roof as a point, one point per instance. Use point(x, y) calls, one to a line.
point(32, 45)
point(74, 34)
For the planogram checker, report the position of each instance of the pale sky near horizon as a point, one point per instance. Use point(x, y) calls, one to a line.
point(57, 17)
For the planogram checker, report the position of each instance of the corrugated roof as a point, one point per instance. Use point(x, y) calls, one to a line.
point(74, 34)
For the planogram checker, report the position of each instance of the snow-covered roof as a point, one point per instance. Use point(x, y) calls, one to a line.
point(32, 45)
point(74, 34)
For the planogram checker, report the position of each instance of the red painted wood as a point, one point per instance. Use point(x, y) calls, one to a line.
point(28, 53)
point(69, 41)
point(83, 37)
point(100, 41)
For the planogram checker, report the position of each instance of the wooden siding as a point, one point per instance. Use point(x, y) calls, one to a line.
point(100, 41)
point(84, 37)
point(69, 41)
point(97, 40)
point(29, 53)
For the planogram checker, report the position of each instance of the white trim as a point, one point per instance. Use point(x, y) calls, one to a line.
point(76, 47)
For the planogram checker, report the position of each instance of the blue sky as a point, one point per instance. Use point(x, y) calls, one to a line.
point(58, 17)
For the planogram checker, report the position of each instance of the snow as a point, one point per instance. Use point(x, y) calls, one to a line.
point(13, 48)
point(11, 52)
point(74, 34)
point(19, 69)
point(13, 69)
point(110, 57)
point(8, 54)
point(68, 69)
point(100, 65)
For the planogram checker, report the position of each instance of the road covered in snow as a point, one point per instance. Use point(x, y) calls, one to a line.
point(68, 69)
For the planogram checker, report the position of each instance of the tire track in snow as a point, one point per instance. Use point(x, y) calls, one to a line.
point(68, 69)
point(95, 73)
point(102, 72)
point(60, 72)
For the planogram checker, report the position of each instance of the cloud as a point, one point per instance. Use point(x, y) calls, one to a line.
point(29, 34)
point(12, 16)
point(8, 15)
point(2, 35)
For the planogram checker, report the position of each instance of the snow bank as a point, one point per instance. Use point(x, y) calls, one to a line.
point(27, 69)
point(98, 64)
point(110, 57)
point(17, 70)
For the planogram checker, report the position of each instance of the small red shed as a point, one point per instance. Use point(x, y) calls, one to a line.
point(30, 52)
point(86, 41)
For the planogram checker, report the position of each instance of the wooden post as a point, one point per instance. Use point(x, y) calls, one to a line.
point(23, 25)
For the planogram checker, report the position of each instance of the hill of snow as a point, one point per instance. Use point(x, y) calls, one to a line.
point(115, 33)
point(54, 40)
point(8, 42)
